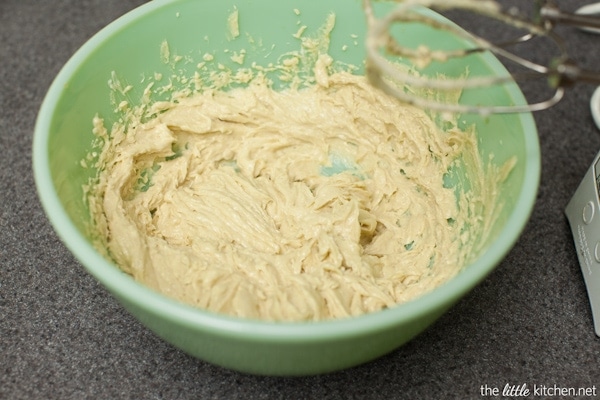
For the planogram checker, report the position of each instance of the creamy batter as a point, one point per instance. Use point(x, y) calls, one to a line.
point(324, 200)
point(310, 204)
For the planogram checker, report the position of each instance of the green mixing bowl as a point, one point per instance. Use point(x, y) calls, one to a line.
point(131, 47)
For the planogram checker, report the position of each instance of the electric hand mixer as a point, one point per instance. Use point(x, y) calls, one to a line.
point(384, 71)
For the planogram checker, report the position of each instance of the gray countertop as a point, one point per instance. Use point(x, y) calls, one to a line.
point(63, 336)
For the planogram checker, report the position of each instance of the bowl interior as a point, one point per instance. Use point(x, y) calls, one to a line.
point(134, 49)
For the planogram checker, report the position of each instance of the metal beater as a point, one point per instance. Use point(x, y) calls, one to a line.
point(561, 73)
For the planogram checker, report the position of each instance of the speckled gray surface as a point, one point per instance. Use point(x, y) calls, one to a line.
point(62, 336)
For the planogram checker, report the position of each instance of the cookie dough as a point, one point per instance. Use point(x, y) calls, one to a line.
point(297, 205)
